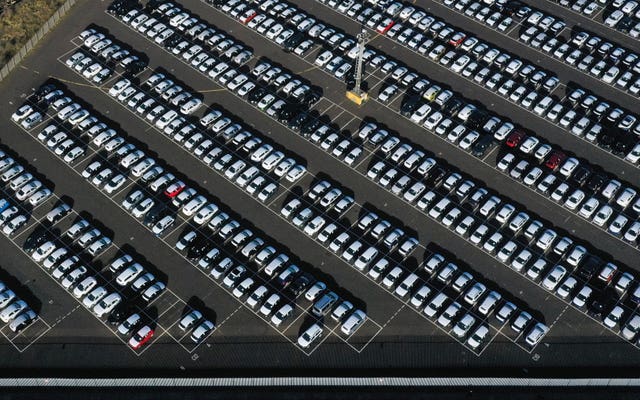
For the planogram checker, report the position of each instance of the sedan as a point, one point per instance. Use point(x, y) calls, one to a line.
point(141, 337)
point(554, 277)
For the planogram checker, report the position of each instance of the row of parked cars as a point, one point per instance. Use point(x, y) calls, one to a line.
point(283, 97)
point(591, 194)
point(520, 83)
point(108, 54)
point(58, 255)
point(443, 286)
point(516, 238)
point(15, 311)
point(591, 54)
point(123, 303)
point(538, 165)
point(192, 204)
point(623, 15)
point(219, 141)
point(280, 97)
point(368, 245)
point(227, 252)
point(341, 312)
point(22, 193)
point(186, 35)
point(313, 214)
point(454, 120)
point(588, 53)
point(617, 121)
point(127, 273)
point(219, 223)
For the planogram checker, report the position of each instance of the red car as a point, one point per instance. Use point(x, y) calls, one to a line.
point(385, 26)
point(555, 159)
point(457, 39)
point(141, 337)
point(515, 138)
point(248, 16)
point(174, 189)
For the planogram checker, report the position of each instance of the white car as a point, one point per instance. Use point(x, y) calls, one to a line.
point(129, 274)
point(43, 251)
point(553, 278)
point(94, 296)
point(107, 304)
point(536, 334)
point(202, 331)
point(310, 335)
point(355, 320)
point(22, 112)
point(10, 312)
point(84, 287)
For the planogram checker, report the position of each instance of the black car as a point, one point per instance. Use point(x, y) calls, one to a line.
point(43, 91)
point(589, 267)
point(135, 67)
point(436, 176)
point(301, 284)
point(299, 120)
point(172, 41)
point(596, 182)
point(310, 127)
point(624, 145)
point(603, 302)
point(121, 7)
point(293, 41)
point(288, 112)
point(199, 248)
point(216, 3)
point(607, 139)
point(38, 237)
point(481, 146)
point(580, 176)
point(155, 214)
point(409, 105)
point(310, 98)
point(255, 96)
point(476, 119)
point(625, 24)
point(120, 313)
point(452, 106)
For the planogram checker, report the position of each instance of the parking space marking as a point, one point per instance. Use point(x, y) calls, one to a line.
point(22, 348)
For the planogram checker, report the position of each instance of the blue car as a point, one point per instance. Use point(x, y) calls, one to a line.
point(4, 204)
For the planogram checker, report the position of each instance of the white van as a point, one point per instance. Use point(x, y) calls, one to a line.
point(406, 285)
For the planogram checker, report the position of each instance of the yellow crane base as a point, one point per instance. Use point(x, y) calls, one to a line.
point(359, 99)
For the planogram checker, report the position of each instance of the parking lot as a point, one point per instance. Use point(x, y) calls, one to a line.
point(320, 198)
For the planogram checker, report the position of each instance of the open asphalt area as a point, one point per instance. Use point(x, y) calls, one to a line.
point(396, 338)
